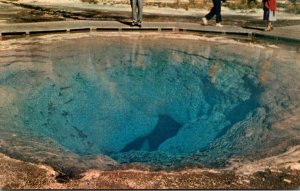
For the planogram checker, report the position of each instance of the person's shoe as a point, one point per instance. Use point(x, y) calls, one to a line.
point(139, 24)
point(268, 29)
point(133, 23)
point(219, 25)
point(204, 21)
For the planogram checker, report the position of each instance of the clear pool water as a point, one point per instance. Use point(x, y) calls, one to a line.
point(149, 98)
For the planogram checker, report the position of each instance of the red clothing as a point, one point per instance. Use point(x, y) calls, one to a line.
point(271, 4)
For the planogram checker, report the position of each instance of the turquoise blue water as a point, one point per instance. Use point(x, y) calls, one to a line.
point(136, 99)
point(161, 106)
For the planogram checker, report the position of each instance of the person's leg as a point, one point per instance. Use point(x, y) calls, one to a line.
point(211, 14)
point(266, 14)
point(140, 11)
point(272, 18)
point(217, 4)
point(267, 19)
point(134, 12)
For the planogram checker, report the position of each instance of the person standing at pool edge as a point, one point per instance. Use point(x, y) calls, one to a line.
point(215, 10)
point(137, 12)
point(269, 7)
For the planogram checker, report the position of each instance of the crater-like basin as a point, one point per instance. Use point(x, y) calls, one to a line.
point(149, 98)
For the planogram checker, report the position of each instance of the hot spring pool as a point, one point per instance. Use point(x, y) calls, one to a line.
point(147, 98)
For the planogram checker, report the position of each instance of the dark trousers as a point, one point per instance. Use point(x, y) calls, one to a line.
point(216, 10)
